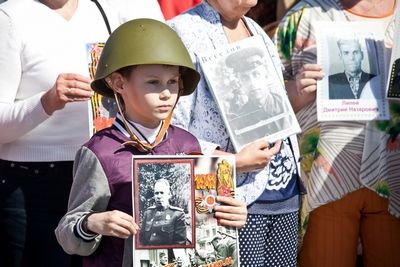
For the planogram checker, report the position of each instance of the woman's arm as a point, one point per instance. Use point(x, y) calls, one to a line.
point(16, 117)
point(20, 116)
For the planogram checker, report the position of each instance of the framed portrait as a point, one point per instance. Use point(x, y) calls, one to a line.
point(351, 54)
point(163, 201)
point(195, 183)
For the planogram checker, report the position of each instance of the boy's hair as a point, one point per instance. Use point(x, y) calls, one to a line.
point(126, 71)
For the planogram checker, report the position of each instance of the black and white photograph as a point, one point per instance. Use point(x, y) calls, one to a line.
point(163, 193)
point(353, 86)
point(249, 92)
point(393, 84)
point(353, 76)
point(394, 80)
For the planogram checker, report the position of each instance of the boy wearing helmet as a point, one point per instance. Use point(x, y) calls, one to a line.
point(145, 67)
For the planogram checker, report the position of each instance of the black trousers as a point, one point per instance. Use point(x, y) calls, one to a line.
point(33, 198)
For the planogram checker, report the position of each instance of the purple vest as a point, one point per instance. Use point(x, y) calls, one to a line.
point(116, 161)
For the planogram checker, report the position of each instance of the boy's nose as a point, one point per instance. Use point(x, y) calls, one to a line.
point(165, 93)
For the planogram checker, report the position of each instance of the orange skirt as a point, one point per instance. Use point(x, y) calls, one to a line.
point(334, 230)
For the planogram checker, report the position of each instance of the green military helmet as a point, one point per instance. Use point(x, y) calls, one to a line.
point(141, 42)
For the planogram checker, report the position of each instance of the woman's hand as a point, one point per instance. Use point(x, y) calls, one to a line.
point(307, 77)
point(231, 212)
point(69, 87)
point(256, 155)
point(301, 90)
point(112, 223)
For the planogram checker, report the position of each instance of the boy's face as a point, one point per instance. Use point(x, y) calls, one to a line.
point(150, 93)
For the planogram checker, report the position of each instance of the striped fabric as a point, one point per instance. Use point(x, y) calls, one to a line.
point(339, 157)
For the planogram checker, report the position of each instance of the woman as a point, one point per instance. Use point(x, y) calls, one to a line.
point(44, 115)
point(269, 236)
point(353, 182)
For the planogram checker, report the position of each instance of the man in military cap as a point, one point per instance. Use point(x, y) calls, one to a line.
point(225, 246)
point(163, 259)
point(162, 223)
point(249, 121)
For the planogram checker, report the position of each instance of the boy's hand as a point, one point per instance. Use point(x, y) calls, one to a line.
point(231, 212)
point(256, 155)
point(112, 223)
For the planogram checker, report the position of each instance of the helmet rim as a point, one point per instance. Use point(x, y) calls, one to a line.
point(144, 42)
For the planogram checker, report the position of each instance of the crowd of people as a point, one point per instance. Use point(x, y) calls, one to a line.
point(65, 192)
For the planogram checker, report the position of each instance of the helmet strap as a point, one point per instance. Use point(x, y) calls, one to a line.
point(135, 141)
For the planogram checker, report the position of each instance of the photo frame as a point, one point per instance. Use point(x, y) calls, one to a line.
point(162, 206)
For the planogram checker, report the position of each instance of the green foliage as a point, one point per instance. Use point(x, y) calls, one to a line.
point(382, 125)
point(392, 126)
point(287, 34)
point(382, 188)
point(310, 146)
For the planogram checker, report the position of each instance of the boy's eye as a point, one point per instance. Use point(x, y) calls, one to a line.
point(153, 82)
point(173, 81)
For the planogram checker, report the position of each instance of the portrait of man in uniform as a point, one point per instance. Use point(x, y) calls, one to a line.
point(163, 259)
point(249, 120)
point(162, 223)
point(225, 246)
point(351, 82)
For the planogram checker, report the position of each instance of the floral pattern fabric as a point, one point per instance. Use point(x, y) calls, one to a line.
point(339, 157)
point(201, 30)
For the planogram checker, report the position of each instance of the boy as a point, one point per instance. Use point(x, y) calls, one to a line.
point(145, 67)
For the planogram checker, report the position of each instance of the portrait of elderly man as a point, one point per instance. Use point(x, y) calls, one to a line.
point(163, 224)
point(350, 83)
point(263, 102)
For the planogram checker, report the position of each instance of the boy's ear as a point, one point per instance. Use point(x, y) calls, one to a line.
point(116, 82)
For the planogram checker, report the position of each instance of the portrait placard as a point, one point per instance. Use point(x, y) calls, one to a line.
point(194, 182)
point(163, 203)
point(102, 108)
point(351, 55)
point(393, 84)
point(249, 92)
